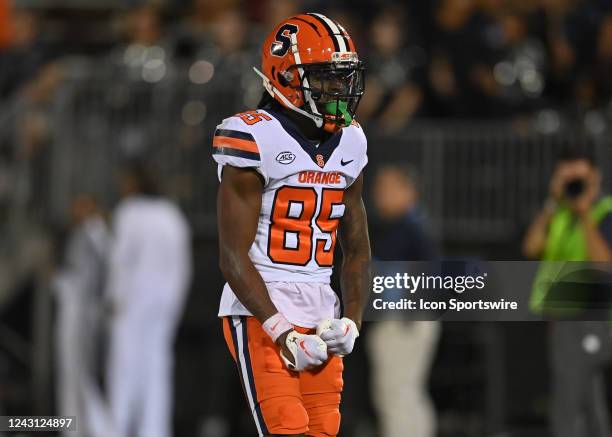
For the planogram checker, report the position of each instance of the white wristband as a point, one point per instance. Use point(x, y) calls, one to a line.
point(276, 325)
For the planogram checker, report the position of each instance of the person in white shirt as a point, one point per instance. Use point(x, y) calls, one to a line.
point(78, 287)
point(149, 274)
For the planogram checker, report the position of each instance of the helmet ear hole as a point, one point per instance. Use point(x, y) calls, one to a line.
point(284, 77)
point(282, 80)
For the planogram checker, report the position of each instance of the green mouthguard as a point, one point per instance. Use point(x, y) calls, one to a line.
point(334, 107)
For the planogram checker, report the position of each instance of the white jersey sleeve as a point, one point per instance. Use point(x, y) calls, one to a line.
point(234, 144)
point(359, 143)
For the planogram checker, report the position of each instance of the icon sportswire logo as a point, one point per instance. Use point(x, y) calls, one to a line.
point(285, 158)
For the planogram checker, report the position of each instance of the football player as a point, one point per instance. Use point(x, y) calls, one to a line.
point(290, 175)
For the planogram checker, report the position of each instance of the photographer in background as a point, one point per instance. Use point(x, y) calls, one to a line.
point(576, 205)
point(575, 225)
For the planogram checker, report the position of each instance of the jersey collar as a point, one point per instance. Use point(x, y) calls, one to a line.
point(319, 154)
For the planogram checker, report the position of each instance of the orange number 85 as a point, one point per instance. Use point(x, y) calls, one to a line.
point(282, 223)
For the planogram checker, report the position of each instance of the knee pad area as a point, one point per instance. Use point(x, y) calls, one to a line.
point(293, 416)
point(330, 424)
point(325, 418)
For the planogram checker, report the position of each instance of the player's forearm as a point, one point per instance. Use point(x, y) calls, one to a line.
point(247, 284)
point(355, 242)
point(355, 283)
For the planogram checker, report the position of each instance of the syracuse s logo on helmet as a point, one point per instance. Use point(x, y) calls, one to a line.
point(281, 45)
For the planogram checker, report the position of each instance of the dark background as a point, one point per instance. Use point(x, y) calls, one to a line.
point(479, 95)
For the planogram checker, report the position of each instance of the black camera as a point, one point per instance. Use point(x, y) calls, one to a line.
point(574, 188)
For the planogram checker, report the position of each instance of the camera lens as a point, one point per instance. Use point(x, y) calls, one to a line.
point(574, 188)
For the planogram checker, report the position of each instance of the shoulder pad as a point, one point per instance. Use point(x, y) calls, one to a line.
point(233, 138)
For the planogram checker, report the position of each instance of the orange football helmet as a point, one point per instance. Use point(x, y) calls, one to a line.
point(309, 64)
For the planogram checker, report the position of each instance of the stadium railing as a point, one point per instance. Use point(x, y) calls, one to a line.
point(481, 180)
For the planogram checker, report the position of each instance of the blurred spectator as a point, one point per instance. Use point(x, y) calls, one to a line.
point(149, 274)
point(230, 33)
point(228, 59)
point(520, 65)
point(575, 225)
point(401, 352)
point(26, 134)
point(33, 135)
point(79, 287)
point(395, 74)
point(195, 29)
point(137, 66)
point(572, 33)
point(461, 72)
point(36, 99)
point(147, 50)
point(399, 229)
point(25, 54)
point(562, 50)
point(274, 12)
point(601, 94)
point(5, 24)
point(144, 25)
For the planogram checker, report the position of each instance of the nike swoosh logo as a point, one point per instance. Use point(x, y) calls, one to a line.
point(343, 162)
point(275, 325)
point(304, 348)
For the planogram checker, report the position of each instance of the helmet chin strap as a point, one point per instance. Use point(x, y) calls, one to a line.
point(303, 78)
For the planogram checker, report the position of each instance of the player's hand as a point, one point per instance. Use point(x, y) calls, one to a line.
point(339, 335)
point(300, 351)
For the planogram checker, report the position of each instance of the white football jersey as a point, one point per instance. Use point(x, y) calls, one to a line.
point(302, 201)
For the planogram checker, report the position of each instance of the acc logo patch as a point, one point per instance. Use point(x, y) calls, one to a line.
point(285, 157)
